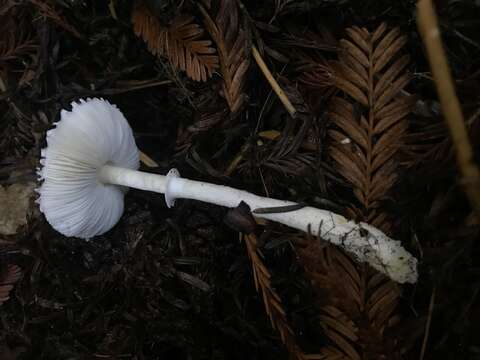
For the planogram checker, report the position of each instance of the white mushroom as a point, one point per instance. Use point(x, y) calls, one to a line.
point(91, 156)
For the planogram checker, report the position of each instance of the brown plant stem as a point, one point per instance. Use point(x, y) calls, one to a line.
point(273, 83)
point(429, 30)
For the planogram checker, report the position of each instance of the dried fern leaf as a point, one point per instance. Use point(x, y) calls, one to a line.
point(48, 10)
point(272, 301)
point(355, 304)
point(369, 121)
point(233, 51)
point(13, 45)
point(428, 145)
point(289, 153)
point(284, 156)
point(15, 38)
point(12, 274)
point(182, 42)
point(342, 344)
point(332, 353)
point(339, 326)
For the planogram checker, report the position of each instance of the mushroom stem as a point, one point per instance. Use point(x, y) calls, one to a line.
point(364, 241)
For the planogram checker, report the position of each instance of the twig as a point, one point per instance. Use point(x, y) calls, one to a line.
point(112, 91)
point(48, 10)
point(473, 118)
point(147, 160)
point(429, 321)
point(3, 87)
point(111, 7)
point(141, 85)
point(428, 27)
point(237, 159)
point(273, 83)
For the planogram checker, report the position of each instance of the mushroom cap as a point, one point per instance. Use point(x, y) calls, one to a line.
point(72, 198)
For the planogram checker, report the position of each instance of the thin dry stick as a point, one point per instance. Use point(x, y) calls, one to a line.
point(428, 27)
point(273, 83)
point(141, 85)
point(3, 87)
point(429, 322)
point(147, 160)
point(236, 160)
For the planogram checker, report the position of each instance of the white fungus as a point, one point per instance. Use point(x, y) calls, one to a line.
point(72, 198)
point(91, 156)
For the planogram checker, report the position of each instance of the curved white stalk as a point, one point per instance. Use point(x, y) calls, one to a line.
point(80, 197)
point(365, 242)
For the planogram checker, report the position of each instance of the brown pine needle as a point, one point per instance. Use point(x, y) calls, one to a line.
point(429, 322)
point(273, 83)
point(428, 27)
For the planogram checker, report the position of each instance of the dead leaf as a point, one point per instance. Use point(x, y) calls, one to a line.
point(14, 202)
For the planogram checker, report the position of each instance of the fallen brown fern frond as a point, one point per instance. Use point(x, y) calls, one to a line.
point(16, 39)
point(355, 304)
point(12, 274)
point(285, 155)
point(233, 51)
point(315, 72)
point(272, 301)
point(47, 9)
point(428, 145)
point(370, 119)
point(291, 153)
point(182, 42)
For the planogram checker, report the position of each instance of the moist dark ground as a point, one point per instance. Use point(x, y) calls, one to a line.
point(177, 283)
